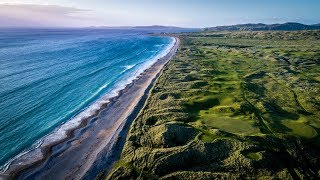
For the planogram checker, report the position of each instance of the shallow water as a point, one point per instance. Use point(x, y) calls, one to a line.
point(47, 77)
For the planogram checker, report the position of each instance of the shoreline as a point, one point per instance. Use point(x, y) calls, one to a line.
point(95, 136)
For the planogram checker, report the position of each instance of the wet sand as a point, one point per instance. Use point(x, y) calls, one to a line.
point(96, 144)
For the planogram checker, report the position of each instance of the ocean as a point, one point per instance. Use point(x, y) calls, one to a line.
point(51, 79)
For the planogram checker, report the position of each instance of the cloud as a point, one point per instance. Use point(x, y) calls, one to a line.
point(31, 15)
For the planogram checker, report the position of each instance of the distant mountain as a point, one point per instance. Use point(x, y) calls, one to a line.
point(153, 28)
point(290, 26)
point(158, 27)
point(141, 27)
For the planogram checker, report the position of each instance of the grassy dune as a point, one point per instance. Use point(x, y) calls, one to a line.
point(231, 105)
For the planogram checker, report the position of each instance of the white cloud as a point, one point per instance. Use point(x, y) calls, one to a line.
point(31, 15)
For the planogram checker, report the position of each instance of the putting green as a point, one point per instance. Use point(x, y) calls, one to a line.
point(300, 129)
point(237, 124)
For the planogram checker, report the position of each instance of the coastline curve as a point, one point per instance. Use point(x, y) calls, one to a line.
point(71, 134)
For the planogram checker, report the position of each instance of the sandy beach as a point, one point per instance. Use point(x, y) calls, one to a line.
point(96, 144)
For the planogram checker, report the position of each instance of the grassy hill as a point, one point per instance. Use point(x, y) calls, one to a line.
point(290, 26)
point(233, 105)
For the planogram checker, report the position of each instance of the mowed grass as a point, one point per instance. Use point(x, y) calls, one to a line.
point(253, 155)
point(300, 129)
point(237, 125)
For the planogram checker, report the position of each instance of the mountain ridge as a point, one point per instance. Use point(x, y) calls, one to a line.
point(289, 26)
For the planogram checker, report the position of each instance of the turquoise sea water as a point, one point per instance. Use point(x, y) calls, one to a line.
point(48, 77)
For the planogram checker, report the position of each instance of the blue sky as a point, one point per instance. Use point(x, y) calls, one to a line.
point(186, 13)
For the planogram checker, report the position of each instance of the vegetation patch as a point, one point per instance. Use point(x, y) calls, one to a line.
point(238, 125)
point(256, 156)
point(231, 105)
point(300, 129)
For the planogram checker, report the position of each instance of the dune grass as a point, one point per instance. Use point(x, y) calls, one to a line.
point(230, 105)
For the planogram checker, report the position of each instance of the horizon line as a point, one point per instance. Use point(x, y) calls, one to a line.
point(146, 26)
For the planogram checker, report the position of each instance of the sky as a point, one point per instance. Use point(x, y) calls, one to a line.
point(183, 13)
